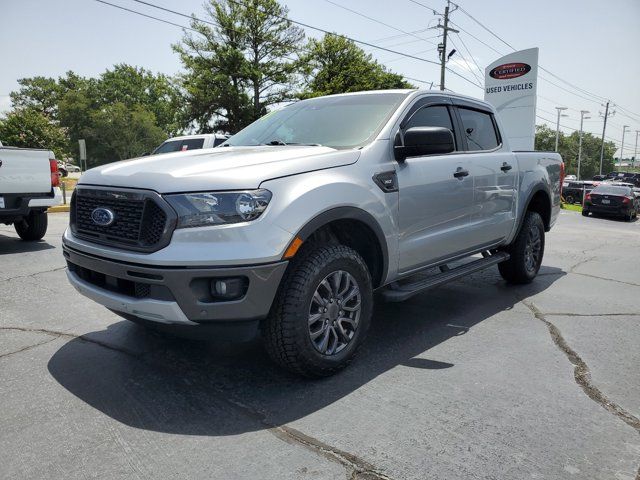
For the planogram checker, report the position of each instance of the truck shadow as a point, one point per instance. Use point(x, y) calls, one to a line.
point(9, 244)
point(158, 383)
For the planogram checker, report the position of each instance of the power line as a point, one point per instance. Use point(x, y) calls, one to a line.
point(375, 20)
point(145, 15)
point(582, 90)
point(471, 70)
point(392, 37)
point(426, 6)
point(470, 54)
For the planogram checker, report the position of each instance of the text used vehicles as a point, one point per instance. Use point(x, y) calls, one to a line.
point(615, 200)
point(288, 227)
point(29, 184)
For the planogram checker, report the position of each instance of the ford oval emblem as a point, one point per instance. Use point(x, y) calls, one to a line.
point(103, 216)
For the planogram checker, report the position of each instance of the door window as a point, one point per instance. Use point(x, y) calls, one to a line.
point(434, 116)
point(479, 129)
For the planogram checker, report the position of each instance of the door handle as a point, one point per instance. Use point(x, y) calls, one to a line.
point(460, 173)
point(505, 167)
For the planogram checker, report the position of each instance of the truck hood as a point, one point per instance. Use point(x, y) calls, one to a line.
point(222, 168)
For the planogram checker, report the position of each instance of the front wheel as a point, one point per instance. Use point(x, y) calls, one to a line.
point(322, 311)
point(525, 251)
point(33, 227)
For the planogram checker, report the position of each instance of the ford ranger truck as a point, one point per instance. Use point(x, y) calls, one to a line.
point(288, 227)
point(29, 184)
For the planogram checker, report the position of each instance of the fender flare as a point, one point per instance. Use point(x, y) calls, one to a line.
point(349, 213)
point(539, 188)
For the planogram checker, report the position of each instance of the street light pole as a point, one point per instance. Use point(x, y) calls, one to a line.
point(582, 118)
point(624, 130)
point(635, 152)
point(559, 109)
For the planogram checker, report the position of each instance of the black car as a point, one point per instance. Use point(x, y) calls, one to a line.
point(615, 200)
point(574, 191)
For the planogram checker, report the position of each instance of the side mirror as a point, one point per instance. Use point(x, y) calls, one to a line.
point(419, 141)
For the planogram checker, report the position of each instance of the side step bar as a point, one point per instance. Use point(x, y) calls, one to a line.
point(401, 292)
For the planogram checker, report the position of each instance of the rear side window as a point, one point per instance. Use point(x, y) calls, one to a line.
point(479, 129)
point(180, 145)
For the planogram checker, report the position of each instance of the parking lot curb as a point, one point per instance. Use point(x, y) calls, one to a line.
point(58, 209)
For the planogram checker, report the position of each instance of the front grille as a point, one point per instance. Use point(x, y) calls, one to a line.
point(139, 222)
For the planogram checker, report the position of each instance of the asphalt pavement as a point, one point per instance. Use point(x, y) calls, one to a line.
point(474, 380)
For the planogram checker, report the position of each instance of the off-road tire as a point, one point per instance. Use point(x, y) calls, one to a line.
point(286, 330)
point(515, 269)
point(33, 227)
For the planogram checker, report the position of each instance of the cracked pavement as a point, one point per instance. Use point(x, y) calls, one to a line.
point(474, 380)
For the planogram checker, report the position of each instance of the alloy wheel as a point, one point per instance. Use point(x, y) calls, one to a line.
point(334, 312)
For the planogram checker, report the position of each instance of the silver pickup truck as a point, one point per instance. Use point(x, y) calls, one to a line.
point(288, 228)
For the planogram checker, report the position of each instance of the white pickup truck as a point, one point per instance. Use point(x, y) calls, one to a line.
point(29, 184)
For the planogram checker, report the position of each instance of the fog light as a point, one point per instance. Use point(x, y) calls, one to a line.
point(228, 288)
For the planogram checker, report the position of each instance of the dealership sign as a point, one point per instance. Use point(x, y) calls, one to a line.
point(510, 86)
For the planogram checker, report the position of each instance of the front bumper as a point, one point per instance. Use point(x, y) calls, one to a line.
point(172, 295)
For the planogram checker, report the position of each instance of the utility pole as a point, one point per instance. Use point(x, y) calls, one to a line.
point(559, 109)
point(582, 119)
point(604, 129)
point(624, 130)
point(635, 152)
point(442, 48)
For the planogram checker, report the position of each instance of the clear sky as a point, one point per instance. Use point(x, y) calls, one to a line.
point(590, 43)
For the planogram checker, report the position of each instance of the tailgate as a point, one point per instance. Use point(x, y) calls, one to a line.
point(24, 170)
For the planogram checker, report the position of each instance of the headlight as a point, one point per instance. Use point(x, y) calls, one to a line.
point(216, 208)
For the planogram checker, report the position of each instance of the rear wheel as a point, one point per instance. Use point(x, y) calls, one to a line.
point(33, 227)
point(585, 212)
point(570, 199)
point(321, 313)
point(526, 251)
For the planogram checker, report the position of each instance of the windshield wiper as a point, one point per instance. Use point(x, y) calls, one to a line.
point(280, 142)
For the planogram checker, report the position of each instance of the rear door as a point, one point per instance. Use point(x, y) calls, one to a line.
point(435, 192)
point(24, 170)
point(495, 174)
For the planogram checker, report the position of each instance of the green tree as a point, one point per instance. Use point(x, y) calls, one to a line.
point(30, 128)
point(568, 146)
point(335, 64)
point(240, 65)
point(117, 132)
point(38, 94)
point(78, 106)
point(136, 86)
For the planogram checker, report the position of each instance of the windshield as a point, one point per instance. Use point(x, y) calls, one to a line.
point(611, 190)
point(180, 145)
point(339, 122)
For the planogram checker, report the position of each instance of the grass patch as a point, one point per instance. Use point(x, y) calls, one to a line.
point(572, 207)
